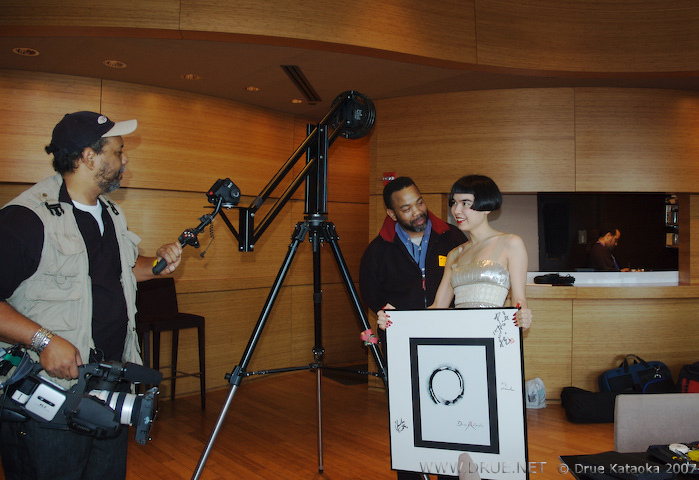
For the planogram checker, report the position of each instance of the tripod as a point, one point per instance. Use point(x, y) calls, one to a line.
point(352, 115)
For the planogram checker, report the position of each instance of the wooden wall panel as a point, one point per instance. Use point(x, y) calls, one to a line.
point(287, 339)
point(523, 139)
point(162, 14)
point(688, 238)
point(636, 140)
point(31, 106)
point(443, 30)
point(620, 36)
point(547, 345)
point(544, 35)
point(604, 331)
point(160, 217)
point(197, 139)
point(348, 162)
point(230, 320)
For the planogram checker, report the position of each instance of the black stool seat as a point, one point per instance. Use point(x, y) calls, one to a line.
point(158, 312)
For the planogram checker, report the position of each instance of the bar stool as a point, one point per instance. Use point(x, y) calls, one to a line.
point(156, 301)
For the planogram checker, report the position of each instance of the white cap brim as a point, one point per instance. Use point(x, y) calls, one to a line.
point(122, 128)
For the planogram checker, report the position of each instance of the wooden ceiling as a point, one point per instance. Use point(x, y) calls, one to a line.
point(394, 48)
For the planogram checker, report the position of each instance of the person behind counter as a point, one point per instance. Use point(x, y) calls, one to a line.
point(600, 257)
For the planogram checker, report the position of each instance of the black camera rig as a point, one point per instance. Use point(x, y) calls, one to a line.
point(98, 405)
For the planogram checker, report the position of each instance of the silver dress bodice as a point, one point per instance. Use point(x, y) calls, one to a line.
point(484, 283)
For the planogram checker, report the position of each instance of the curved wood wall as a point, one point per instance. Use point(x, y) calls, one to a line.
point(183, 144)
point(543, 140)
point(541, 35)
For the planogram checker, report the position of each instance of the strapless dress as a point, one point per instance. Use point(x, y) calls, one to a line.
point(484, 283)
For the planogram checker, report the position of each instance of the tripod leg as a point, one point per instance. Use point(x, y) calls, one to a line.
point(319, 403)
point(238, 373)
point(318, 350)
point(214, 433)
point(331, 237)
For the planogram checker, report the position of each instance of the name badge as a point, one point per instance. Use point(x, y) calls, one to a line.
point(442, 260)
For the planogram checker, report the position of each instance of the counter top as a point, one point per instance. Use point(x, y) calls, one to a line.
point(616, 279)
point(611, 285)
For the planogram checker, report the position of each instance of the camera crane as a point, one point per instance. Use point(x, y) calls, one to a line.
point(352, 116)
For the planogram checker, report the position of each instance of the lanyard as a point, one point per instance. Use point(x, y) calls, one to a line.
point(417, 252)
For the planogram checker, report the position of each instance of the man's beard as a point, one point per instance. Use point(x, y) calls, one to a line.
point(109, 183)
point(411, 227)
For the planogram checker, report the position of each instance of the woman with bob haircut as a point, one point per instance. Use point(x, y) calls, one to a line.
point(481, 272)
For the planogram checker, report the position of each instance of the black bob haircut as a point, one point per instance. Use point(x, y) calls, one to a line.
point(395, 185)
point(486, 194)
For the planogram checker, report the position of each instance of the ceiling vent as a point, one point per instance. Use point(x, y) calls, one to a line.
point(302, 83)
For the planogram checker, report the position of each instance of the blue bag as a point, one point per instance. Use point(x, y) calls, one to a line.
point(639, 377)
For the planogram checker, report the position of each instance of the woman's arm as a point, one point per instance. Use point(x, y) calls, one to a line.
point(517, 266)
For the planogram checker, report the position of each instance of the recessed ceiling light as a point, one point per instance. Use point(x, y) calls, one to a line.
point(26, 52)
point(297, 100)
point(114, 64)
point(191, 76)
point(252, 89)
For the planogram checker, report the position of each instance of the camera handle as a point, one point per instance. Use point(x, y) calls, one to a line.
point(189, 236)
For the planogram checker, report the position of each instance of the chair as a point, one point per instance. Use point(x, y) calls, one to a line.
point(156, 301)
point(655, 419)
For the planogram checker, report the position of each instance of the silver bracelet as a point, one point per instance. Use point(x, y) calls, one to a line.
point(41, 339)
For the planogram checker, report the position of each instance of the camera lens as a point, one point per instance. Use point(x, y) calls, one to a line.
point(127, 406)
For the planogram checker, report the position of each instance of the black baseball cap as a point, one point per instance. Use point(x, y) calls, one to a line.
point(80, 129)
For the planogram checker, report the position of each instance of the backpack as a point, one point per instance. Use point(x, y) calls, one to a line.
point(688, 378)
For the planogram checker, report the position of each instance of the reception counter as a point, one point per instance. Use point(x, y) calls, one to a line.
point(582, 330)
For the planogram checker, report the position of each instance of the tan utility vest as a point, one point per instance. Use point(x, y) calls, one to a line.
point(58, 296)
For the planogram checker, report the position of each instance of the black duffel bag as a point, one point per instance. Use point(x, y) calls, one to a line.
point(639, 377)
point(583, 406)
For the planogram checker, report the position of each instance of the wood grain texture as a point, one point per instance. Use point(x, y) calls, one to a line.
point(620, 36)
point(548, 345)
point(604, 331)
point(197, 139)
point(443, 30)
point(286, 338)
point(348, 162)
point(636, 140)
point(630, 36)
point(689, 238)
point(32, 105)
point(270, 433)
point(150, 14)
point(523, 139)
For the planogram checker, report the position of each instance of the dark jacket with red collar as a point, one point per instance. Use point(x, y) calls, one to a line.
point(388, 273)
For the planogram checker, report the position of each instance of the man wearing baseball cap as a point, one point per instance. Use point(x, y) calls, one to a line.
point(68, 273)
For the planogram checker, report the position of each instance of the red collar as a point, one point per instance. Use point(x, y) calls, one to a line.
point(388, 230)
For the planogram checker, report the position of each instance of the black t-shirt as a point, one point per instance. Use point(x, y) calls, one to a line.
point(23, 239)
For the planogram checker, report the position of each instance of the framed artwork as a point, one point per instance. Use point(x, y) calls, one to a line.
point(455, 384)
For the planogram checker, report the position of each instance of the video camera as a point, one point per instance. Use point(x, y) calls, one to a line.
point(98, 405)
